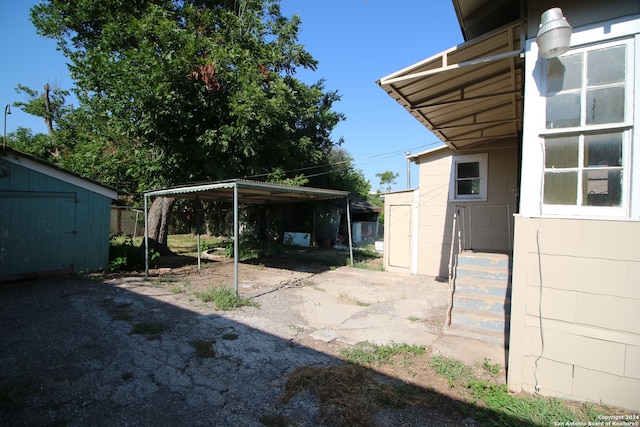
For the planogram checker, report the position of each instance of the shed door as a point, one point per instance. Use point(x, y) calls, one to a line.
point(400, 236)
point(36, 233)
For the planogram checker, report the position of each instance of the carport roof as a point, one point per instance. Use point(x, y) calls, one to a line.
point(248, 192)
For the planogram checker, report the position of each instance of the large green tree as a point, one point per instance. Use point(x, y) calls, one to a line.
point(174, 91)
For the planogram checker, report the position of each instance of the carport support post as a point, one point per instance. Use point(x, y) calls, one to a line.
point(349, 231)
point(146, 239)
point(235, 237)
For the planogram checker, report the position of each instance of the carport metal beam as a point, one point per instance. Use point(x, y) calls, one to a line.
point(253, 192)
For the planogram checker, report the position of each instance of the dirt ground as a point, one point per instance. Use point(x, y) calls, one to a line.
point(121, 350)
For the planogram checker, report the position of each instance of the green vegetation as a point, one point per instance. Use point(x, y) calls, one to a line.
point(151, 330)
point(350, 394)
point(367, 353)
point(224, 298)
point(218, 97)
point(204, 348)
point(498, 407)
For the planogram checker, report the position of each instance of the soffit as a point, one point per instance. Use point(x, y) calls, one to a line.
point(468, 94)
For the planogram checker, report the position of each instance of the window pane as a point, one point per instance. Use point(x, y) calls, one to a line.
point(603, 150)
point(564, 73)
point(602, 187)
point(605, 105)
point(560, 188)
point(469, 170)
point(606, 66)
point(561, 152)
point(563, 110)
point(468, 187)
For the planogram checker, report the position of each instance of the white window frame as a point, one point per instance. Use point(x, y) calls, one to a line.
point(626, 127)
point(483, 160)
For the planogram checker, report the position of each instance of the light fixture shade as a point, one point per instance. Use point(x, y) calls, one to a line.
point(554, 34)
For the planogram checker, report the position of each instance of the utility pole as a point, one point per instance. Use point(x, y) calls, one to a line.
point(408, 170)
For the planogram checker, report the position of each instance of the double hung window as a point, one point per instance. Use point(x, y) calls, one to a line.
point(469, 177)
point(588, 129)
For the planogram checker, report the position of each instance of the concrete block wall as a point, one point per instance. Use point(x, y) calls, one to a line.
point(583, 277)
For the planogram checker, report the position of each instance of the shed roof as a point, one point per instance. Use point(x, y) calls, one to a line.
point(49, 169)
point(248, 192)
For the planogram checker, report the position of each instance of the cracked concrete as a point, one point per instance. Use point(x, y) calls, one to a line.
point(70, 354)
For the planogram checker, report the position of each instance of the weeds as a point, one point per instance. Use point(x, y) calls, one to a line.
point(349, 394)
point(151, 330)
point(367, 353)
point(497, 407)
point(15, 390)
point(492, 369)
point(204, 348)
point(453, 371)
point(224, 298)
point(344, 296)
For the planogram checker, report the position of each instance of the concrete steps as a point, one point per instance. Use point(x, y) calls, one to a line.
point(482, 297)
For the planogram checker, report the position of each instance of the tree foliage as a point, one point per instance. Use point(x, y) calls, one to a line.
point(176, 91)
point(202, 89)
point(387, 178)
point(48, 105)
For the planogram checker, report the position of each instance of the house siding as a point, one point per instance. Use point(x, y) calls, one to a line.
point(582, 275)
point(485, 225)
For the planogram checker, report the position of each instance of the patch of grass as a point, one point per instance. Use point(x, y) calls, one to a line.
point(165, 279)
point(224, 298)
point(230, 337)
point(367, 265)
point(497, 407)
point(180, 287)
point(344, 296)
point(204, 348)
point(15, 390)
point(151, 329)
point(371, 354)
point(121, 311)
point(274, 421)
point(414, 318)
point(454, 371)
point(492, 369)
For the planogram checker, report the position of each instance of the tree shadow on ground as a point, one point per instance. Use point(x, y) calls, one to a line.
point(122, 351)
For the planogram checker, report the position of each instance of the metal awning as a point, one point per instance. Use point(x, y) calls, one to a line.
point(238, 191)
point(248, 192)
point(468, 94)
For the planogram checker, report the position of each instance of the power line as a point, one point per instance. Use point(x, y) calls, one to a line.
point(354, 162)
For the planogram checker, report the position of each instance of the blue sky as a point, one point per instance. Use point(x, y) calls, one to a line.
point(355, 41)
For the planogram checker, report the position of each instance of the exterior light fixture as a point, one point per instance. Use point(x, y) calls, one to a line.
point(554, 34)
point(7, 110)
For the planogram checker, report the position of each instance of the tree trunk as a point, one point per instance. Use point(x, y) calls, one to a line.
point(159, 217)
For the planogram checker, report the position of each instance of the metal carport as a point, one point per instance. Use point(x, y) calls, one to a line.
point(238, 191)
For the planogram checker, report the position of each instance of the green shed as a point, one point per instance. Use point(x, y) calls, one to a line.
point(52, 221)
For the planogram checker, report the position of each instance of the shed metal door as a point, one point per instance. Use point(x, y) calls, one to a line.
point(400, 236)
point(36, 233)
